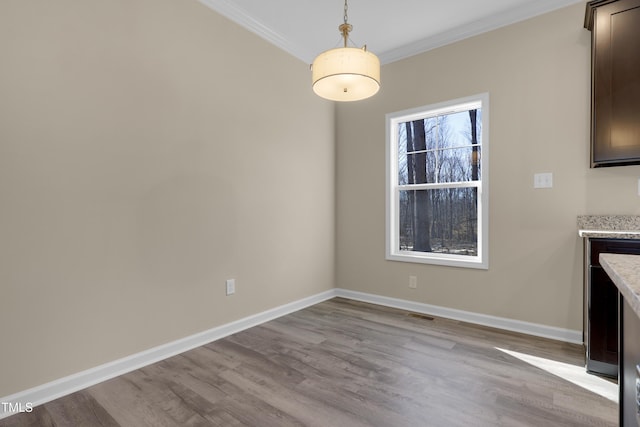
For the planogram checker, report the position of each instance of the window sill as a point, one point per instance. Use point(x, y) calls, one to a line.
point(440, 259)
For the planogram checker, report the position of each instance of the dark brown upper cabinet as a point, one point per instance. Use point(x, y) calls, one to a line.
point(615, 81)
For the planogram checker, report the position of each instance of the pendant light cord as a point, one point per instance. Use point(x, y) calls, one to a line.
point(345, 11)
point(346, 27)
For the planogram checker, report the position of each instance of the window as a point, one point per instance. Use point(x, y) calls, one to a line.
point(437, 199)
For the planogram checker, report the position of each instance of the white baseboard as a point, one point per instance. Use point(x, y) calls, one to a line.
point(72, 383)
point(560, 334)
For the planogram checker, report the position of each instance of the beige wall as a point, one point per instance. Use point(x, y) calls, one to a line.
point(149, 150)
point(537, 74)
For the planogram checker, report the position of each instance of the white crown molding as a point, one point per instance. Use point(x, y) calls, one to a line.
point(529, 10)
point(72, 383)
point(235, 13)
point(232, 11)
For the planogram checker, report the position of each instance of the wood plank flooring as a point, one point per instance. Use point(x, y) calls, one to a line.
point(343, 363)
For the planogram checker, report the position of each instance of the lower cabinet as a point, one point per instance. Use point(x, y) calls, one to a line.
point(601, 306)
point(602, 346)
point(629, 380)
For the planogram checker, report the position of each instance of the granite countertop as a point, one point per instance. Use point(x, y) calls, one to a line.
point(609, 226)
point(624, 271)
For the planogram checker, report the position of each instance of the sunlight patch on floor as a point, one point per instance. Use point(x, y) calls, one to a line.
point(574, 374)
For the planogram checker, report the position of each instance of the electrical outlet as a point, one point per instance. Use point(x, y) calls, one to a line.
point(231, 286)
point(413, 282)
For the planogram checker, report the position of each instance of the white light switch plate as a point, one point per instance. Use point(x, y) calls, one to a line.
point(231, 286)
point(543, 180)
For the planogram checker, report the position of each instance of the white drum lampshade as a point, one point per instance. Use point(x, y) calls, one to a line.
point(346, 73)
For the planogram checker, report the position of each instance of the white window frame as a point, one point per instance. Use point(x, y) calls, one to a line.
point(393, 120)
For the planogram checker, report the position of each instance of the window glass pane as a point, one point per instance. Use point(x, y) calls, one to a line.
point(439, 149)
point(455, 130)
point(421, 167)
point(476, 153)
point(403, 173)
point(459, 164)
point(432, 133)
point(439, 221)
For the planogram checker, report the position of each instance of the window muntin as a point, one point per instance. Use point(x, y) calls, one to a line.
point(436, 183)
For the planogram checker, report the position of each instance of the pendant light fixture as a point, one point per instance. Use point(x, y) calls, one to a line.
point(346, 73)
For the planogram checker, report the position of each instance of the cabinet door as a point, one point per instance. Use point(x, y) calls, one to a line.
point(603, 318)
point(615, 105)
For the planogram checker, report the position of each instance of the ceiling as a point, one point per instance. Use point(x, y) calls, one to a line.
point(392, 29)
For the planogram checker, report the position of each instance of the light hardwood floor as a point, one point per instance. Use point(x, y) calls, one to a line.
point(343, 363)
